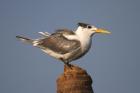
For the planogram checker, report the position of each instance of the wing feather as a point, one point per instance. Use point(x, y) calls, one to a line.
point(58, 43)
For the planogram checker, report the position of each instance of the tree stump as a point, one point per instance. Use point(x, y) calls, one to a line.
point(74, 80)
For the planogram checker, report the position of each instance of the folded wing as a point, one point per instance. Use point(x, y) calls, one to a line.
point(58, 43)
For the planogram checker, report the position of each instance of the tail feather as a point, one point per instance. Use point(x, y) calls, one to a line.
point(46, 34)
point(24, 39)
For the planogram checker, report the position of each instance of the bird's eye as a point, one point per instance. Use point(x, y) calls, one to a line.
point(89, 27)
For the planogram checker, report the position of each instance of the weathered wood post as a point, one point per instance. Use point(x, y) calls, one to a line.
point(74, 80)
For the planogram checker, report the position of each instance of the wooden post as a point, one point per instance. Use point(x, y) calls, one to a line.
point(74, 80)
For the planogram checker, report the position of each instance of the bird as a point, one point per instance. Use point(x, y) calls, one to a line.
point(64, 44)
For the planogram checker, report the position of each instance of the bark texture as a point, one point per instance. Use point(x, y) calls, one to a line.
point(74, 80)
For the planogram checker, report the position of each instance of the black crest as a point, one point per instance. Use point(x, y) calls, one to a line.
point(83, 24)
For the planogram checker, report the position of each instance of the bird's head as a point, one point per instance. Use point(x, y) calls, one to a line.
point(87, 28)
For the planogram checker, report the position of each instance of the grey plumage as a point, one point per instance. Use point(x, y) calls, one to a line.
point(55, 42)
point(58, 43)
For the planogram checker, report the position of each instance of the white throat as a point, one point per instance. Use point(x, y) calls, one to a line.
point(84, 37)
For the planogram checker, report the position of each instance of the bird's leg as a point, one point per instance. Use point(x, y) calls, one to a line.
point(66, 62)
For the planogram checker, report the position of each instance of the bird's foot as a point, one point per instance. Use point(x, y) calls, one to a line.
point(68, 65)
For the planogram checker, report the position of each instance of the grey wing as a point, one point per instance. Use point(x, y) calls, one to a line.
point(65, 31)
point(59, 44)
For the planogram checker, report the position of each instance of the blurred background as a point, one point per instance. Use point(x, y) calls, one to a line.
point(113, 61)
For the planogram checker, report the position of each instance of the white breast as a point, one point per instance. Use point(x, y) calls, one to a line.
point(85, 39)
point(85, 43)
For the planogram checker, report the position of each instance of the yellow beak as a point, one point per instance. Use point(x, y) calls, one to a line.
point(103, 31)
